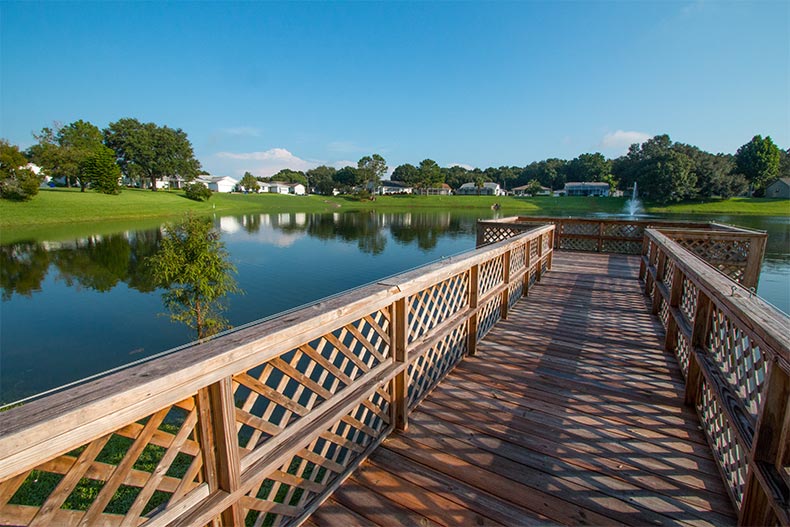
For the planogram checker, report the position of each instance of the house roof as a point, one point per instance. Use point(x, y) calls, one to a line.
point(785, 180)
point(397, 184)
point(524, 187)
point(216, 179)
point(487, 184)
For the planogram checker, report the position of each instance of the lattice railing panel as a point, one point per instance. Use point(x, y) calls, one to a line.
point(578, 228)
point(515, 292)
point(427, 370)
point(545, 242)
point(288, 387)
point(491, 274)
point(579, 244)
point(663, 312)
point(306, 477)
point(518, 260)
point(122, 476)
point(488, 315)
point(669, 273)
point(497, 234)
point(621, 246)
point(741, 363)
point(682, 353)
point(724, 442)
point(688, 300)
point(432, 306)
point(728, 256)
point(624, 230)
point(533, 250)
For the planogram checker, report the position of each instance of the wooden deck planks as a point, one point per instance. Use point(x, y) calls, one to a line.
point(570, 413)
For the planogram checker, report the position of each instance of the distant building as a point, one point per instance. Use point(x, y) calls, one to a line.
point(586, 188)
point(444, 190)
point(522, 191)
point(489, 189)
point(778, 189)
point(279, 187)
point(218, 183)
point(392, 187)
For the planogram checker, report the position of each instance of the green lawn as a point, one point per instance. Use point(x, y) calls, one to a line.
point(54, 209)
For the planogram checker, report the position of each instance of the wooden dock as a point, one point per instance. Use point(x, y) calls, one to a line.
point(571, 412)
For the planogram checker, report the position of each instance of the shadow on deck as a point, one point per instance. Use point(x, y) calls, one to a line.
point(570, 413)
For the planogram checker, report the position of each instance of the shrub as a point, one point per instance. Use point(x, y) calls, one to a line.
point(197, 191)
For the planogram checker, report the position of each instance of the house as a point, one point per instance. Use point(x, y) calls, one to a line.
point(778, 189)
point(393, 187)
point(297, 189)
point(218, 183)
point(586, 188)
point(522, 191)
point(444, 190)
point(489, 189)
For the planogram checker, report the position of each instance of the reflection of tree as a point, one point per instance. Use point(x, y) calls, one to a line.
point(192, 265)
point(365, 229)
point(23, 267)
point(424, 228)
point(251, 223)
point(142, 244)
point(99, 263)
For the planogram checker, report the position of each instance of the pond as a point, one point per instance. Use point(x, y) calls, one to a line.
point(78, 306)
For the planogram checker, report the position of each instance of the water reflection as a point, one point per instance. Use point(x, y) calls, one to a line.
point(77, 307)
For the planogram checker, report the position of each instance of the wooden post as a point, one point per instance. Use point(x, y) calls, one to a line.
point(699, 334)
point(473, 293)
point(557, 229)
point(675, 294)
point(504, 306)
point(771, 445)
point(642, 266)
point(600, 237)
point(539, 267)
point(660, 270)
point(480, 238)
point(526, 246)
point(551, 257)
point(751, 275)
point(399, 386)
point(648, 275)
point(220, 444)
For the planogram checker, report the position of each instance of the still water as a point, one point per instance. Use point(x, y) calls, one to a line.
point(79, 306)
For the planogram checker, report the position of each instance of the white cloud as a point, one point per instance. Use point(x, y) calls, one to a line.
point(263, 163)
point(462, 165)
point(621, 140)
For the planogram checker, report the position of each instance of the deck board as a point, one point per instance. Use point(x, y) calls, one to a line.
point(570, 413)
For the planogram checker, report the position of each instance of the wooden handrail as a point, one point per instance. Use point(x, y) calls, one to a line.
point(735, 353)
point(271, 417)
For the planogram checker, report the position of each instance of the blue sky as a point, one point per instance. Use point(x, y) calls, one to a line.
point(264, 86)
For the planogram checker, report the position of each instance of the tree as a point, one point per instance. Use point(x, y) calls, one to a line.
point(406, 173)
point(17, 182)
point(145, 150)
point(249, 183)
point(101, 171)
point(197, 191)
point(62, 151)
point(533, 187)
point(430, 174)
point(758, 161)
point(349, 177)
point(322, 179)
point(287, 175)
point(590, 167)
point(194, 268)
point(372, 168)
point(455, 176)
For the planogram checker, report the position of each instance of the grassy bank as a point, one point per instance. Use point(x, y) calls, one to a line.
point(62, 208)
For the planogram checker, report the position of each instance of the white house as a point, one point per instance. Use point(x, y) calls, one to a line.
point(489, 189)
point(219, 183)
point(522, 191)
point(586, 188)
point(297, 189)
point(278, 187)
point(392, 187)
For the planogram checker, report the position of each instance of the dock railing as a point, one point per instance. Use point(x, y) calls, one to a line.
point(733, 349)
point(260, 425)
point(735, 251)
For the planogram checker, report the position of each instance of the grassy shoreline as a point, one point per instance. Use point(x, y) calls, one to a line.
point(54, 208)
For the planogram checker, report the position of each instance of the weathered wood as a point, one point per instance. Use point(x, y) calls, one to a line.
point(474, 286)
point(400, 383)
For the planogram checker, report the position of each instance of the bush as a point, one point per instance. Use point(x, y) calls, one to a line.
point(197, 192)
point(364, 195)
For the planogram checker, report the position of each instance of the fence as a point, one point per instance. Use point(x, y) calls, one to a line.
point(735, 251)
point(733, 350)
point(260, 425)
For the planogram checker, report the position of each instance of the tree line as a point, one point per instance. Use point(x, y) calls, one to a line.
point(665, 171)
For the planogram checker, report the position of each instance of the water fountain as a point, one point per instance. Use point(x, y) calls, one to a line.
point(634, 206)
